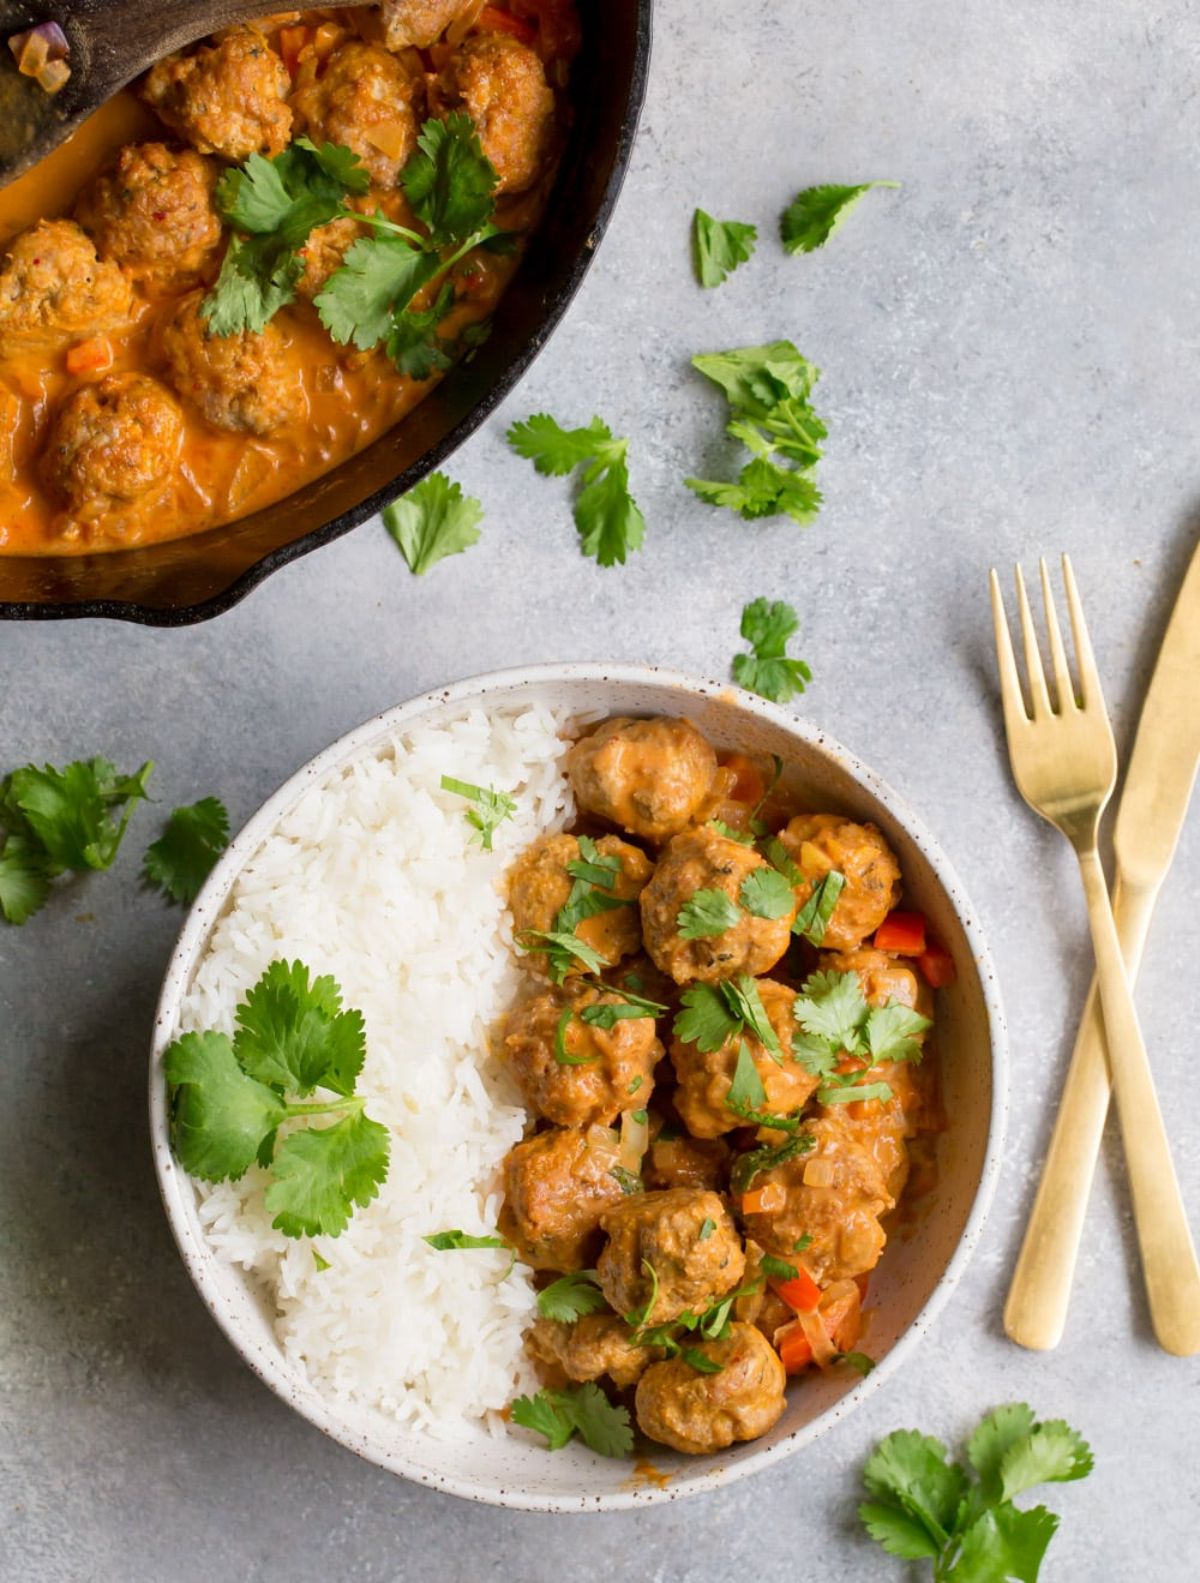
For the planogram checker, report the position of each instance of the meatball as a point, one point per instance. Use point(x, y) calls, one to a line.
point(53, 289)
point(820, 842)
point(242, 382)
point(365, 100)
point(680, 1161)
point(154, 215)
point(696, 1413)
point(501, 84)
point(652, 777)
point(417, 23)
point(705, 1076)
point(323, 252)
point(686, 1235)
point(594, 1345)
point(601, 1072)
point(112, 443)
point(540, 886)
point(835, 1194)
point(557, 1185)
point(228, 98)
point(705, 860)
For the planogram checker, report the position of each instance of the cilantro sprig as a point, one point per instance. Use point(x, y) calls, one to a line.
point(182, 858)
point(768, 670)
point(816, 213)
point(59, 821)
point(719, 246)
point(581, 1410)
point(834, 1021)
point(571, 1297)
point(769, 391)
point(607, 516)
point(713, 1014)
point(433, 520)
point(922, 1506)
point(747, 1097)
point(491, 807)
point(229, 1097)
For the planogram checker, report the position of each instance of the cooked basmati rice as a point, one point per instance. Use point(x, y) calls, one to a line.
point(374, 877)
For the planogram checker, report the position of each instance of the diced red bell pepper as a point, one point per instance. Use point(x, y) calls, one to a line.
point(937, 965)
point(903, 933)
point(794, 1351)
point(800, 1292)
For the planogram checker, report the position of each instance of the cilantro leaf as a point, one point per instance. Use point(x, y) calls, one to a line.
point(320, 1173)
point(447, 1241)
point(700, 1361)
point(571, 1297)
point(742, 997)
point(767, 627)
point(294, 1035)
point(544, 1416)
point(219, 1116)
point(830, 1006)
point(1052, 1453)
point(706, 914)
point(563, 951)
point(898, 1533)
point(579, 1409)
point(762, 489)
point(746, 1091)
point(69, 813)
point(765, 893)
point(860, 1362)
point(491, 808)
point(433, 520)
point(378, 276)
point(449, 181)
point(705, 1019)
point(1004, 1543)
point(24, 879)
point(606, 515)
point(848, 1093)
point(720, 246)
point(758, 380)
point(606, 1016)
point(892, 1032)
point(412, 344)
point(755, 1161)
point(813, 918)
point(258, 276)
point(777, 1269)
point(999, 1431)
point(777, 856)
point(910, 1470)
point(816, 213)
point(182, 858)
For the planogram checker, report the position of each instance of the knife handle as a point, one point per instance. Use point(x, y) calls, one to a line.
point(1036, 1310)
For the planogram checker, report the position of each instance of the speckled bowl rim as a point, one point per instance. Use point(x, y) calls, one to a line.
point(178, 1194)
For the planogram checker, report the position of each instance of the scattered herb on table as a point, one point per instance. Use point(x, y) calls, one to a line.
point(581, 1410)
point(433, 520)
point(491, 808)
point(768, 389)
point(768, 670)
point(924, 1507)
point(719, 246)
point(229, 1097)
point(58, 821)
point(816, 213)
point(571, 1297)
point(606, 514)
point(182, 858)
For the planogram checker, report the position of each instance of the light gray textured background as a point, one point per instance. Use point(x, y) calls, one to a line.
point(1010, 347)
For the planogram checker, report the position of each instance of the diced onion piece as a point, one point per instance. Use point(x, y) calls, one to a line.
point(841, 1313)
point(389, 137)
point(635, 1140)
point(53, 76)
point(813, 860)
point(33, 55)
point(818, 1173)
point(823, 1349)
point(603, 1139)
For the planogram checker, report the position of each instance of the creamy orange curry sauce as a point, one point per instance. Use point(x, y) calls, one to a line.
point(123, 418)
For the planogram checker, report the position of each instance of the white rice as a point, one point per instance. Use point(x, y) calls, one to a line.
point(374, 877)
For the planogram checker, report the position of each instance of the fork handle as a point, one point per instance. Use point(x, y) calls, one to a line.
point(1036, 1310)
point(1168, 1255)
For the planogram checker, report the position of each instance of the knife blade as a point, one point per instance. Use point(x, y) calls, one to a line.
point(1154, 804)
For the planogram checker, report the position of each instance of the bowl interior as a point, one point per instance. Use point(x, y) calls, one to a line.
point(926, 1252)
point(191, 578)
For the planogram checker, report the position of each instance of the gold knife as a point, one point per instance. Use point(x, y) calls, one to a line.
point(1158, 787)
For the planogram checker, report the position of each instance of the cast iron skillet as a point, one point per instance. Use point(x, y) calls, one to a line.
point(194, 578)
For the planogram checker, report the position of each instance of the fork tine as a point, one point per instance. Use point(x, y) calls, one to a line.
point(1091, 694)
point(1038, 696)
point(1010, 681)
point(1064, 686)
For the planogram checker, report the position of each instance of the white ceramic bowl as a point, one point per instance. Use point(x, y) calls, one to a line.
point(920, 1269)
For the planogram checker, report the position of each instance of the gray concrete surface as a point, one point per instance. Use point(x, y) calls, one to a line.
point(1010, 346)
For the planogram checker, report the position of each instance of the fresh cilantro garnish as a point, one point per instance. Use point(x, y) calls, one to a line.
point(705, 914)
point(447, 1241)
point(712, 1014)
point(320, 1261)
point(607, 1015)
point(746, 1091)
point(639, 1316)
point(707, 1227)
point(742, 997)
point(578, 1409)
point(182, 858)
point(377, 277)
point(700, 1361)
point(712, 1323)
point(594, 866)
point(892, 1032)
point(57, 820)
point(593, 876)
point(816, 213)
point(561, 1054)
point(778, 856)
point(860, 1362)
point(923, 1506)
point(777, 1269)
point(768, 389)
point(449, 181)
point(412, 345)
point(642, 1117)
point(766, 893)
point(563, 952)
point(571, 1297)
point(801, 1243)
point(636, 1082)
point(768, 670)
point(742, 837)
point(606, 514)
point(720, 246)
point(229, 1097)
point(834, 1021)
point(751, 1164)
point(433, 520)
point(491, 808)
point(626, 1180)
point(848, 1093)
point(813, 918)
point(831, 1007)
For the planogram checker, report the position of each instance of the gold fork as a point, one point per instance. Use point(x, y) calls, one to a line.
point(1064, 761)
